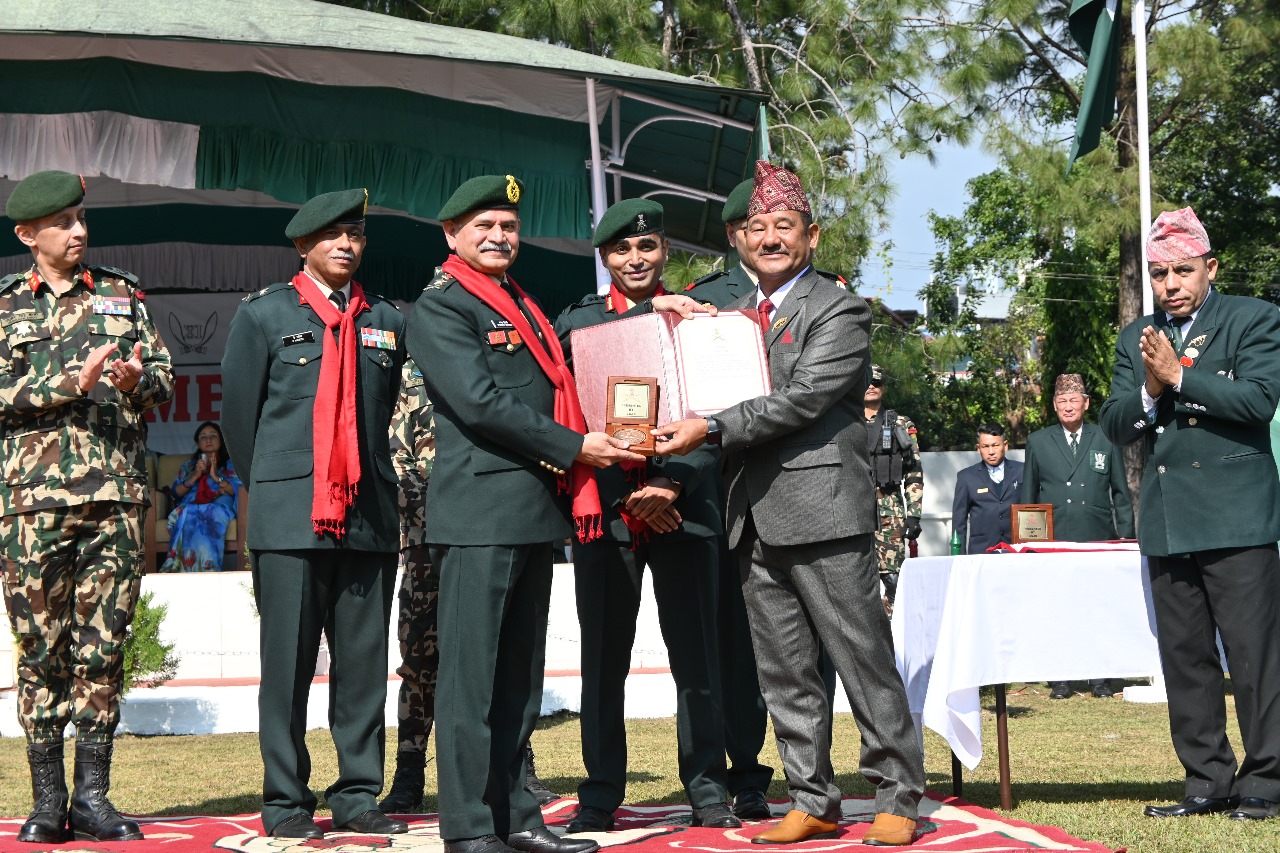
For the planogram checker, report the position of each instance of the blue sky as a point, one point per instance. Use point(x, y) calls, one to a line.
point(921, 187)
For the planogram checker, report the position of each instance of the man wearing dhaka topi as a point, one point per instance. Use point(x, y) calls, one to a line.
point(1198, 382)
point(801, 510)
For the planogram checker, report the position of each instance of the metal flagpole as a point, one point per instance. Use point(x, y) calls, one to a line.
point(1139, 17)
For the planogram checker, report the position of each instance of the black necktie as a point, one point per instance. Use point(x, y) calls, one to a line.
point(339, 299)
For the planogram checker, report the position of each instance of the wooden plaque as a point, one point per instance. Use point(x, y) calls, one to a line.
point(1031, 523)
point(631, 411)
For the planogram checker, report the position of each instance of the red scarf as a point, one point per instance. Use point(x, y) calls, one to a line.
point(581, 483)
point(636, 473)
point(335, 447)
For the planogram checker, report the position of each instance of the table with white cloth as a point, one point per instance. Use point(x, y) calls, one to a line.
point(963, 622)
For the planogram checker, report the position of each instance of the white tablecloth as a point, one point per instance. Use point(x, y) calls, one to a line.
point(962, 622)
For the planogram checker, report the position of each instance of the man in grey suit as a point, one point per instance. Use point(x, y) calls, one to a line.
point(801, 511)
point(984, 493)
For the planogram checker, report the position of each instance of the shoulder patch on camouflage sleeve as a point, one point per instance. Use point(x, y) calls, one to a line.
point(10, 280)
point(115, 272)
point(270, 288)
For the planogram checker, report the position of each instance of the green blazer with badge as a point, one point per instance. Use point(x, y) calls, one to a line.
point(497, 442)
point(697, 473)
point(271, 370)
point(1088, 491)
point(1209, 481)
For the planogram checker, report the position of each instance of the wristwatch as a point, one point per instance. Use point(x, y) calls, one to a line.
point(713, 431)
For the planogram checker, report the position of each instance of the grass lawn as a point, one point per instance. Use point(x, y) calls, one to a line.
point(1086, 765)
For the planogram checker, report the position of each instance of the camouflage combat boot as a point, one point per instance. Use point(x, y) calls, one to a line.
point(93, 818)
point(532, 783)
point(405, 796)
point(48, 821)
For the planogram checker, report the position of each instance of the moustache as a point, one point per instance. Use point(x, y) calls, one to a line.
point(495, 247)
point(348, 256)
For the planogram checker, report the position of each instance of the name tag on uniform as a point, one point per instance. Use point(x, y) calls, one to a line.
point(116, 305)
point(983, 490)
point(298, 338)
point(501, 324)
point(379, 338)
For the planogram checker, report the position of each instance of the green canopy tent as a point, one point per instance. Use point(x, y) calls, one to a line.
point(201, 126)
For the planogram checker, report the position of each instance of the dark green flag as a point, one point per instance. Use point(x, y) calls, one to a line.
point(1091, 23)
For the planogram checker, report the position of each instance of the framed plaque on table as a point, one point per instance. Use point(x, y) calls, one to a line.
point(701, 366)
point(1031, 523)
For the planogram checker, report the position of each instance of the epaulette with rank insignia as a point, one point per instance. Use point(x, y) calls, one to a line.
point(711, 276)
point(589, 299)
point(270, 288)
point(116, 273)
point(439, 281)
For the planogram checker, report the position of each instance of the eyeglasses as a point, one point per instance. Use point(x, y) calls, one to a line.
point(877, 383)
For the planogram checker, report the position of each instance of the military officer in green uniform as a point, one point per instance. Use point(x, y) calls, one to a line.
point(899, 476)
point(1074, 467)
point(412, 450)
point(80, 361)
point(746, 719)
point(510, 441)
point(663, 514)
point(313, 375)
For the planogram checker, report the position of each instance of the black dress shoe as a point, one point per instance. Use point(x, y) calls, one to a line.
point(590, 819)
point(1102, 690)
point(542, 840)
point(750, 804)
point(716, 816)
point(375, 823)
point(1255, 808)
point(483, 844)
point(298, 825)
point(1193, 806)
point(1061, 690)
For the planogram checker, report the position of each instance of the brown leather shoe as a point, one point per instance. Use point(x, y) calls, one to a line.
point(797, 826)
point(890, 830)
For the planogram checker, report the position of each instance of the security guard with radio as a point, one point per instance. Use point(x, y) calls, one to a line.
point(899, 476)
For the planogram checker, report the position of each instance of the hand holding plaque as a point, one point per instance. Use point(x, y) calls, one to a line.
point(631, 411)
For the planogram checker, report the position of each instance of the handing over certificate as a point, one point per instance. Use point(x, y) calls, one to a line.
point(702, 366)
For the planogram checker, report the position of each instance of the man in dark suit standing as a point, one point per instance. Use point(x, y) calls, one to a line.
point(510, 440)
point(1198, 382)
point(1074, 467)
point(984, 493)
point(312, 372)
point(801, 511)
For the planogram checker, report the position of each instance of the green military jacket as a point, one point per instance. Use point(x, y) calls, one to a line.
point(698, 502)
point(1089, 493)
point(61, 447)
point(271, 370)
point(413, 448)
point(1208, 482)
point(497, 440)
point(722, 286)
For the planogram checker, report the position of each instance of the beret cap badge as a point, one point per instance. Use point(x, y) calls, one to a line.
point(513, 190)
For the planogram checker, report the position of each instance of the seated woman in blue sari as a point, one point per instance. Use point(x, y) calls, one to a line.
point(205, 489)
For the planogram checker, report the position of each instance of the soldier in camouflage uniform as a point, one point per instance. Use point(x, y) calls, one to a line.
point(895, 464)
point(80, 361)
point(413, 448)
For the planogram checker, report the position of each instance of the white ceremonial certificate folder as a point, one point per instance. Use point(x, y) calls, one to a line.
point(703, 365)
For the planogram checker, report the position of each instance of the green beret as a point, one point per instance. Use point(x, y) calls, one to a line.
point(44, 193)
point(628, 218)
point(735, 206)
point(486, 192)
point(326, 209)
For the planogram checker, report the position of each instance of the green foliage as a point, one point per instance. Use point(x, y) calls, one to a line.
point(148, 660)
